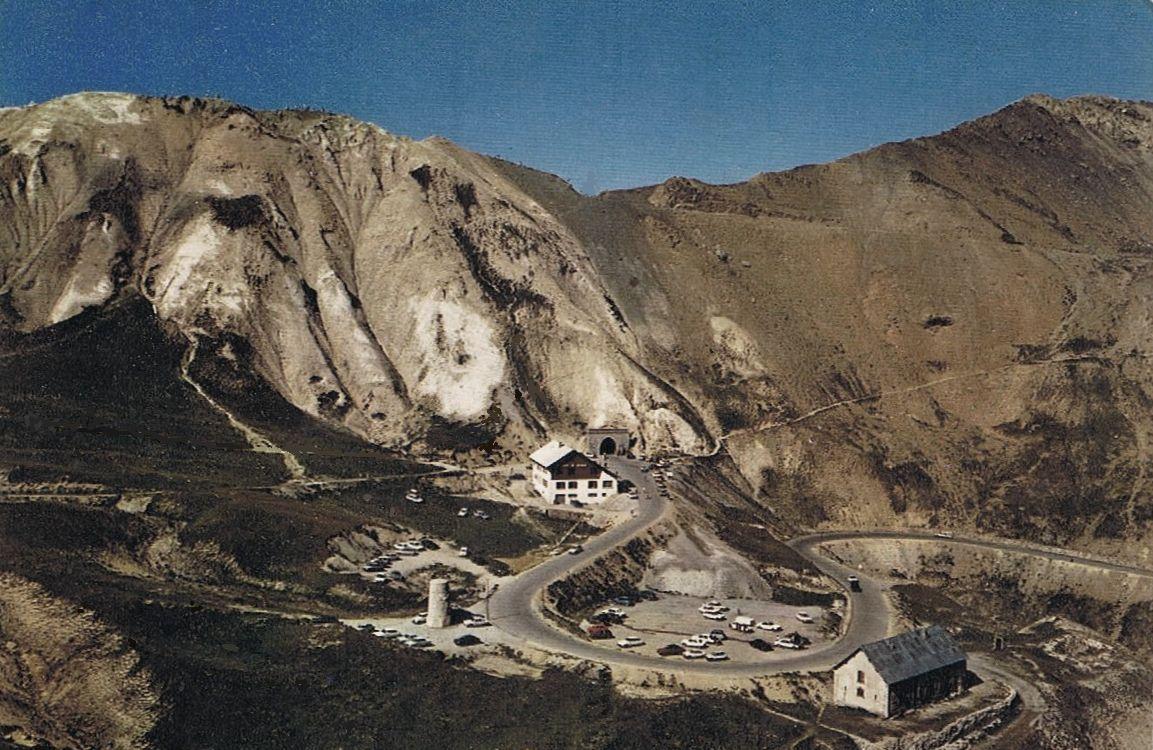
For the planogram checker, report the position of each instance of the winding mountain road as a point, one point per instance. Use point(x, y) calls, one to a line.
point(516, 606)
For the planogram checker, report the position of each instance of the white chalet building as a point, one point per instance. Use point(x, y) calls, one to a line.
point(561, 474)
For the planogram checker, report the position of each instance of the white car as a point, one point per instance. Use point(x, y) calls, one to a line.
point(477, 621)
point(463, 512)
point(786, 643)
point(387, 633)
point(463, 552)
point(804, 617)
point(693, 653)
point(415, 499)
point(715, 616)
point(717, 656)
point(420, 619)
point(944, 535)
point(772, 627)
point(631, 642)
point(695, 642)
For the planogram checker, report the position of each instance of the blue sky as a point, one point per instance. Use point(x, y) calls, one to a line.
point(606, 94)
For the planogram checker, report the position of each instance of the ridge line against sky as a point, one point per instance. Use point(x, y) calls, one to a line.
point(605, 94)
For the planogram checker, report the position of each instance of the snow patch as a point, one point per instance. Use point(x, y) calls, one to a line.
point(737, 346)
point(461, 363)
point(609, 403)
point(355, 352)
point(78, 295)
point(106, 108)
point(199, 242)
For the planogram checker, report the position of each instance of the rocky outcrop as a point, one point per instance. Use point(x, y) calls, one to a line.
point(374, 281)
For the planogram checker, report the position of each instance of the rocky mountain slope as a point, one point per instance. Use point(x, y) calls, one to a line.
point(953, 329)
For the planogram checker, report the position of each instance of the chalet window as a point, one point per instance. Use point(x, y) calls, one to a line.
point(592, 484)
point(860, 676)
point(860, 692)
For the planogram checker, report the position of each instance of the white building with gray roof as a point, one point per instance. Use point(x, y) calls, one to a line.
point(896, 674)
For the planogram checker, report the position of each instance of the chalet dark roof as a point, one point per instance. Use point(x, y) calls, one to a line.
point(913, 653)
point(554, 453)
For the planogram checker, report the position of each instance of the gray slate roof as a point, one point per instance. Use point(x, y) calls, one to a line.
point(913, 653)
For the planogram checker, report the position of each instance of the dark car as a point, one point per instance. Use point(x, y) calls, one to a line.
point(717, 635)
point(468, 639)
point(647, 595)
point(607, 618)
point(673, 649)
point(760, 644)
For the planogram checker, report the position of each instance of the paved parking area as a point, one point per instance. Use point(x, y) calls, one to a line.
point(672, 618)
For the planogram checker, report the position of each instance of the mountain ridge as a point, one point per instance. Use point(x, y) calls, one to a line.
point(920, 324)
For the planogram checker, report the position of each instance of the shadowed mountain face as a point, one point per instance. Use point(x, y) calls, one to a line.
point(953, 329)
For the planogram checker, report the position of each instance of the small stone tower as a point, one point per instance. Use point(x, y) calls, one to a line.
point(438, 603)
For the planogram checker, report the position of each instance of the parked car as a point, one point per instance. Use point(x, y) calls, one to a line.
point(387, 633)
point(630, 642)
point(599, 632)
point(468, 639)
point(420, 619)
point(760, 644)
point(576, 550)
point(648, 595)
point(804, 617)
point(693, 653)
point(695, 641)
point(477, 621)
point(463, 513)
point(717, 635)
point(673, 649)
point(944, 535)
point(463, 552)
point(854, 583)
point(717, 656)
point(793, 641)
point(772, 627)
point(624, 601)
point(717, 616)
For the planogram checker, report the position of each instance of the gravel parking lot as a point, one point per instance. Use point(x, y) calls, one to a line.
point(672, 618)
